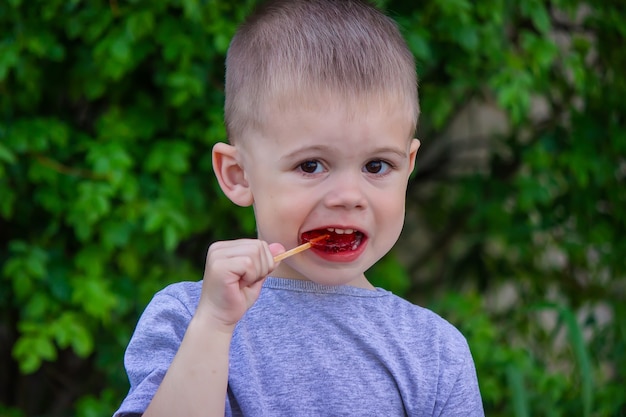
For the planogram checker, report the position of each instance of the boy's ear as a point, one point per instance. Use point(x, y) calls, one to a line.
point(231, 175)
point(413, 147)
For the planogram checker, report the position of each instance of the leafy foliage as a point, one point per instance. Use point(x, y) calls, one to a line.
point(532, 210)
point(108, 112)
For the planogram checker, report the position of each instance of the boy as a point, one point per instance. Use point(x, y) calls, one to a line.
point(321, 108)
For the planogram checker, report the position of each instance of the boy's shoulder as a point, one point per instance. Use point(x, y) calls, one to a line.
point(183, 294)
point(412, 321)
point(182, 288)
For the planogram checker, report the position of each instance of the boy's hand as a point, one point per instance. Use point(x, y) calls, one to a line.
point(233, 276)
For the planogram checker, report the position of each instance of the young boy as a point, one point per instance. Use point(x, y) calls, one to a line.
point(321, 108)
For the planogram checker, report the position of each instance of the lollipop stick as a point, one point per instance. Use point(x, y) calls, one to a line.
point(298, 249)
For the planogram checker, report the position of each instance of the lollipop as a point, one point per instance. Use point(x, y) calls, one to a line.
point(299, 249)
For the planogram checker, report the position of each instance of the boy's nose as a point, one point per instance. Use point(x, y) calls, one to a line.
point(346, 191)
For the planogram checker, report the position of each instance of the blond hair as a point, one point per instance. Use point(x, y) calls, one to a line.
point(298, 49)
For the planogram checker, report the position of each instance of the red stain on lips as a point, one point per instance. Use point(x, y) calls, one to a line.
point(335, 242)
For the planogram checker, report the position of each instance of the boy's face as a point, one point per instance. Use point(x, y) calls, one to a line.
point(336, 171)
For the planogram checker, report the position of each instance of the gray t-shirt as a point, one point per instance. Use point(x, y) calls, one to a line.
point(305, 349)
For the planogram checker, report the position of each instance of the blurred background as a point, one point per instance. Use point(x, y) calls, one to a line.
point(515, 220)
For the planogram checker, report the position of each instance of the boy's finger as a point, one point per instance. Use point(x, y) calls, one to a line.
point(276, 248)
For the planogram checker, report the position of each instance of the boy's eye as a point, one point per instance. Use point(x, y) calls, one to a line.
point(310, 167)
point(377, 167)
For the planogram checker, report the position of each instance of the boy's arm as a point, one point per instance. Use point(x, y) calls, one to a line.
point(465, 399)
point(196, 381)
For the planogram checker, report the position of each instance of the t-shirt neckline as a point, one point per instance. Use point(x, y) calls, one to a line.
point(299, 285)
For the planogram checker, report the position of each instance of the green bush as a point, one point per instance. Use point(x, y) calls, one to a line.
point(109, 110)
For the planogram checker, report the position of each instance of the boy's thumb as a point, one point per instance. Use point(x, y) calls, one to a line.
point(276, 248)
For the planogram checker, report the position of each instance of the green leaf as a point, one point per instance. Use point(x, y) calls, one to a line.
point(140, 24)
point(582, 356)
point(467, 37)
point(7, 202)
point(537, 12)
point(70, 330)
point(32, 349)
point(171, 156)
point(581, 353)
point(38, 306)
point(419, 45)
point(512, 88)
point(93, 294)
point(9, 57)
point(520, 399)
point(92, 203)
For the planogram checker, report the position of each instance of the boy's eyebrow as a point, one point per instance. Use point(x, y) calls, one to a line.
point(403, 153)
point(304, 149)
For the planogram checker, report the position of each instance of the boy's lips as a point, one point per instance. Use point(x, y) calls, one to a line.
point(338, 240)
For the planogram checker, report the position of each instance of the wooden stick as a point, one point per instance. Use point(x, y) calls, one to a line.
point(298, 249)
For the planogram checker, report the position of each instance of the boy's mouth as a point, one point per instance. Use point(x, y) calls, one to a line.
point(338, 240)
